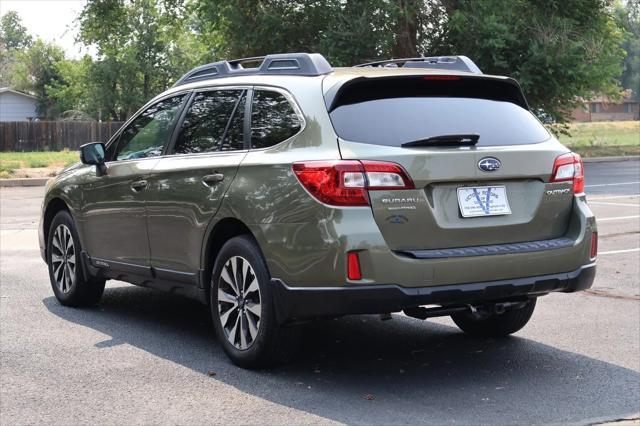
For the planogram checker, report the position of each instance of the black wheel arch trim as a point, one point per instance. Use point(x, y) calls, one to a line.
point(57, 195)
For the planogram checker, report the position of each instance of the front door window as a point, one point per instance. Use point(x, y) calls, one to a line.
point(146, 135)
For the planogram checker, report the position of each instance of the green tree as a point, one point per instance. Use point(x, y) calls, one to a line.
point(72, 91)
point(13, 35)
point(346, 32)
point(6, 61)
point(628, 17)
point(34, 70)
point(559, 50)
point(357, 31)
point(143, 47)
point(246, 28)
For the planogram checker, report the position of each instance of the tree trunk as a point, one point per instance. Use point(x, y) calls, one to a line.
point(145, 86)
point(405, 45)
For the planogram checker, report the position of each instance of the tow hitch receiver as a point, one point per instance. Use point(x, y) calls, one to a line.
point(420, 312)
point(481, 310)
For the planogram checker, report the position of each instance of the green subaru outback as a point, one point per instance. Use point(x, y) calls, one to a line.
point(277, 190)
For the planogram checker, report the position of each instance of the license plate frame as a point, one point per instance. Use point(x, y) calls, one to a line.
point(482, 201)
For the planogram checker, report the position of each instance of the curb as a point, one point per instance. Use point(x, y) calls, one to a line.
point(23, 182)
point(610, 159)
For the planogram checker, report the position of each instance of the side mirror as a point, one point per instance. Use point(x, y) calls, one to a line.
point(93, 153)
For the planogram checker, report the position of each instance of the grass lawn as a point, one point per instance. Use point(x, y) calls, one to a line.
point(12, 161)
point(606, 138)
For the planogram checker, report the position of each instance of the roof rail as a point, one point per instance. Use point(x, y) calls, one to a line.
point(306, 64)
point(456, 63)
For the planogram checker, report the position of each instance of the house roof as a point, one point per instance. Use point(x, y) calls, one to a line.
point(9, 90)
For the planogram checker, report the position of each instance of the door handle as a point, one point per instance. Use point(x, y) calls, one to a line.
point(139, 185)
point(210, 180)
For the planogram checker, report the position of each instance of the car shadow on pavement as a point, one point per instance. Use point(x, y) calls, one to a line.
point(363, 370)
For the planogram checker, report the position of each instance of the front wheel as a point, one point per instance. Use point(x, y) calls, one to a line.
point(494, 324)
point(65, 270)
point(242, 307)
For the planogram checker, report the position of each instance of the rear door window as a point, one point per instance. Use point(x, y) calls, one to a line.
point(273, 119)
point(234, 139)
point(206, 122)
point(396, 113)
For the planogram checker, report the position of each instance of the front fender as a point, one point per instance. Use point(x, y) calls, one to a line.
point(67, 189)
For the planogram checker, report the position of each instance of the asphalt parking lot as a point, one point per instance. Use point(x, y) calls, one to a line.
point(142, 356)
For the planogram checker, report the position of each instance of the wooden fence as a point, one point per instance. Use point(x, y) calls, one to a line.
point(53, 135)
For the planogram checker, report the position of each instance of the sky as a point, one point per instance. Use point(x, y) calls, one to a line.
point(51, 20)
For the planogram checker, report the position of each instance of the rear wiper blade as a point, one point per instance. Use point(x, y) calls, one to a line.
point(445, 140)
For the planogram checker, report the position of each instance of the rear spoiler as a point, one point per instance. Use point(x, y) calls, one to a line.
point(360, 89)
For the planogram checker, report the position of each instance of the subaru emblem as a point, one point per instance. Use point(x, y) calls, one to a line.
point(489, 164)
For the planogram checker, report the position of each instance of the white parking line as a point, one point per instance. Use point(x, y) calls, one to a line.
point(619, 251)
point(611, 197)
point(612, 184)
point(618, 218)
point(614, 204)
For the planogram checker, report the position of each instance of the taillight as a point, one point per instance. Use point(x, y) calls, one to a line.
point(594, 245)
point(569, 167)
point(346, 182)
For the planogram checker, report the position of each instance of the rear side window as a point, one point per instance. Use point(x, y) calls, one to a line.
point(273, 119)
point(206, 121)
point(394, 113)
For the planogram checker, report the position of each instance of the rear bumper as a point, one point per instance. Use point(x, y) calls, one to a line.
point(313, 302)
point(312, 251)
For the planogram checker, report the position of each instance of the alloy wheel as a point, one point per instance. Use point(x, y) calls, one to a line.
point(63, 258)
point(239, 300)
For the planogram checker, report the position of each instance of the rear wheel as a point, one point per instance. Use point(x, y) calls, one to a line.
point(65, 268)
point(494, 324)
point(242, 307)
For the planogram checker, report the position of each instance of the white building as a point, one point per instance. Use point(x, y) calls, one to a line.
point(16, 106)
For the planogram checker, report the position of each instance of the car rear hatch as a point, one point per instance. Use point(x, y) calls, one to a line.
point(479, 161)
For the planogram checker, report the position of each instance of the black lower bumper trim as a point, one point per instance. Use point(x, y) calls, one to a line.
point(313, 302)
point(525, 247)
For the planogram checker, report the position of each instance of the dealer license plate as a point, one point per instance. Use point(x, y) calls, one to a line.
point(483, 201)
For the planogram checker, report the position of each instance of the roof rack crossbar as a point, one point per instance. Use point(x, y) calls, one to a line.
point(304, 64)
point(455, 63)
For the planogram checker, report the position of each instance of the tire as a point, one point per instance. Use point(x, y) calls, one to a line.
point(65, 265)
point(495, 325)
point(244, 316)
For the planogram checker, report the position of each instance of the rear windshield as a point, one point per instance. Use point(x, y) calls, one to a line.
point(393, 114)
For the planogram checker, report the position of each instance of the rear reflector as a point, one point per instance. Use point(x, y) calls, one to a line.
point(569, 167)
point(353, 266)
point(594, 245)
point(346, 182)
